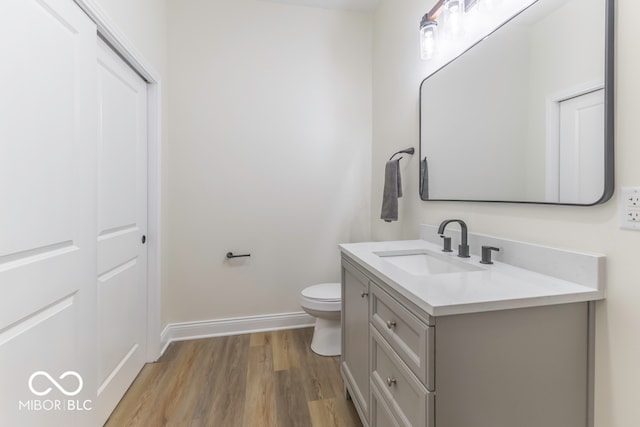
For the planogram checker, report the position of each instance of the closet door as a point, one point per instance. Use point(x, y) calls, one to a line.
point(122, 223)
point(48, 115)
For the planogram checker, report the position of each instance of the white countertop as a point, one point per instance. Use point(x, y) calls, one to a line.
point(497, 286)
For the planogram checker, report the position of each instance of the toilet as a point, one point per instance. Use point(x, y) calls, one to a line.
point(324, 302)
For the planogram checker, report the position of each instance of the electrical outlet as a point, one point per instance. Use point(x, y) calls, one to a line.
point(629, 206)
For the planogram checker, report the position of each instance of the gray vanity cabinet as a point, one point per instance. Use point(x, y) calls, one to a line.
point(355, 337)
point(525, 367)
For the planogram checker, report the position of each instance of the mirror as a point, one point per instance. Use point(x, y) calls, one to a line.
point(525, 115)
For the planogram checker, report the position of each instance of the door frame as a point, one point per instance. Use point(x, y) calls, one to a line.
point(108, 30)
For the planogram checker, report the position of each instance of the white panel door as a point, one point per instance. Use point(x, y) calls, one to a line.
point(122, 223)
point(48, 111)
point(581, 148)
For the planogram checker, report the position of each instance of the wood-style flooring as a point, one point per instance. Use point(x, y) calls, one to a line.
point(256, 380)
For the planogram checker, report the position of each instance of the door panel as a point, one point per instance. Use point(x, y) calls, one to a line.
point(120, 101)
point(118, 247)
point(581, 136)
point(117, 336)
point(47, 219)
point(48, 330)
point(122, 221)
point(37, 135)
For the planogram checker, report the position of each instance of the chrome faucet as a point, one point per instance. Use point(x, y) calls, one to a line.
point(463, 247)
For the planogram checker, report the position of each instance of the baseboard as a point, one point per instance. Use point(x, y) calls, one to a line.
point(234, 326)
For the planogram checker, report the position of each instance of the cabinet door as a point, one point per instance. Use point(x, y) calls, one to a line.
point(355, 335)
point(526, 367)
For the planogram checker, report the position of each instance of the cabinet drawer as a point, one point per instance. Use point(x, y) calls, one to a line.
point(408, 399)
point(381, 415)
point(411, 339)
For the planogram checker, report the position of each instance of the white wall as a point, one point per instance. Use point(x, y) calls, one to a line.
point(397, 75)
point(270, 127)
point(144, 23)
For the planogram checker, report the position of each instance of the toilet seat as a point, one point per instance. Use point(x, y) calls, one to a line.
point(329, 292)
point(322, 297)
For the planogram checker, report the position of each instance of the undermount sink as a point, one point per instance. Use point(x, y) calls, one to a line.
point(423, 262)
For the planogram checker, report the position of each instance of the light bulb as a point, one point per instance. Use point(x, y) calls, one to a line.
point(454, 15)
point(428, 37)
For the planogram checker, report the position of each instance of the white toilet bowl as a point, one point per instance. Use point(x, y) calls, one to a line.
point(324, 302)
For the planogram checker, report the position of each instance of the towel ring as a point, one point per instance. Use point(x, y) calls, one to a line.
point(409, 150)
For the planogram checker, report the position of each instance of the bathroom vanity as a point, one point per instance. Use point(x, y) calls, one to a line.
point(430, 339)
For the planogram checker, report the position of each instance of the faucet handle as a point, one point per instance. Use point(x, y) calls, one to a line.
point(486, 254)
point(447, 243)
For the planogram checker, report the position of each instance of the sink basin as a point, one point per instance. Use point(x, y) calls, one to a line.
point(419, 263)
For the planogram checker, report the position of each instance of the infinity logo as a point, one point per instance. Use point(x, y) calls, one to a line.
point(55, 383)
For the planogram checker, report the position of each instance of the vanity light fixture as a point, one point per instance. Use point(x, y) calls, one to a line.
point(445, 23)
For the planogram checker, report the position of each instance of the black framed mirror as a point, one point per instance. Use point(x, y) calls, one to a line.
point(526, 114)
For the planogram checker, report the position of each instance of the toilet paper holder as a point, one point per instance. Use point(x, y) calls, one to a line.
point(230, 255)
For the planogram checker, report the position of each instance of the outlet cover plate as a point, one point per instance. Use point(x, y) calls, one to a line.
point(629, 207)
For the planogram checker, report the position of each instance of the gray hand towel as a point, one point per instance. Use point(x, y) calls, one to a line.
point(392, 191)
point(424, 179)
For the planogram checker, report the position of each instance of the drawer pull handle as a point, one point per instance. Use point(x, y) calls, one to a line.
point(391, 324)
point(391, 381)
point(364, 294)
